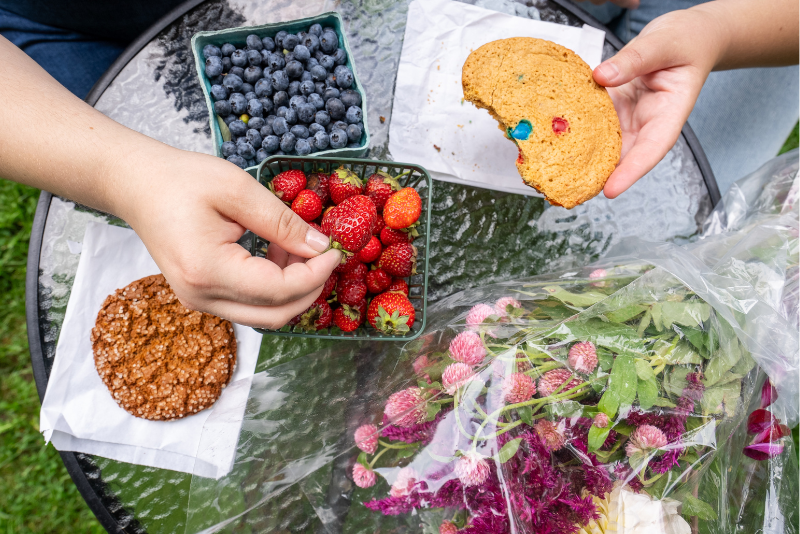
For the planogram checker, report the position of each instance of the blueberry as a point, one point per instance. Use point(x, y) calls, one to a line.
point(226, 64)
point(265, 54)
point(330, 92)
point(254, 42)
point(216, 80)
point(281, 112)
point(229, 119)
point(256, 123)
point(268, 43)
point(261, 155)
point(312, 62)
point(330, 80)
point(266, 103)
point(315, 29)
point(227, 49)
point(353, 115)
point(328, 41)
point(306, 77)
point(228, 148)
point(318, 55)
point(280, 81)
point(253, 136)
point(296, 101)
point(294, 89)
point(335, 108)
point(288, 56)
point(306, 112)
point(338, 139)
point(321, 140)
point(311, 42)
point(251, 162)
point(290, 41)
point(340, 125)
point(318, 73)
point(302, 53)
point(254, 108)
point(313, 128)
point(238, 103)
point(271, 143)
point(237, 160)
point(213, 66)
point(237, 71)
point(276, 61)
point(299, 131)
point(248, 95)
point(254, 57)
point(270, 119)
point(279, 38)
point(232, 82)
point(344, 77)
point(280, 99)
point(354, 133)
point(263, 87)
point(291, 116)
point(265, 131)
point(350, 98)
point(327, 62)
point(322, 118)
point(319, 88)
point(246, 150)
point(340, 56)
point(315, 100)
point(294, 69)
point(302, 147)
point(288, 141)
point(210, 50)
point(280, 126)
point(328, 29)
point(222, 107)
point(239, 58)
point(237, 128)
point(279, 153)
point(252, 74)
point(219, 92)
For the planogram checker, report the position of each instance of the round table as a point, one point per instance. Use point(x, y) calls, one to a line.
point(152, 88)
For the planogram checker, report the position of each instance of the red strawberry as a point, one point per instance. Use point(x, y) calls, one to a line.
point(399, 260)
point(349, 263)
point(351, 292)
point(398, 285)
point(316, 317)
point(347, 318)
point(371, 251)
point(288, 184)
point(391, 313)
point(329, 286)
point(379, 225)
point(402, 209)
point(381, 186)
point(358, 273)
point(344, 184)
point(307, 205)
point(361, 306)
point(390, 237)
point(349, 224)
point(315, 226)
point(378, 281)
point(319, 183)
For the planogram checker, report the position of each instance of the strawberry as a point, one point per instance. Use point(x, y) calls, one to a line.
point(391, 313)
point(402, 209)
point(371, 251)
point(390, 237)
point(398, 285)
point(329, 286)
point(351, 292)
point(307, 205)
point(349, 263)
point(319, 183)
point(344, 184)
point(347, 318)
point(379, 225)
point(399, 260)
point(288, 184)
point(378, 281)
point(318, 316)
point(349, 224)
point(315, 226)
point(380, 186)
point(358, 273)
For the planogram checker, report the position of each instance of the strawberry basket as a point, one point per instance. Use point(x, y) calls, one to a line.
point(408, 175)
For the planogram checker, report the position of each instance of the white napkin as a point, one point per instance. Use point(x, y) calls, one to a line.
point(78, 413)
point(429, 110)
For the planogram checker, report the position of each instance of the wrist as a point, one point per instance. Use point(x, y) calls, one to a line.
point(714, 22)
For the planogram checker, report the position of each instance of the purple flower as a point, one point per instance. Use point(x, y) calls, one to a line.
point(422, 432)
point(763, 451)
point(768, 394)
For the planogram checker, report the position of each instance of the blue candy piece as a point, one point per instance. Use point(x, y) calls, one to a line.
point(523, 130)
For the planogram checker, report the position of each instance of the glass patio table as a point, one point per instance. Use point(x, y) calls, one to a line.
point(477, 235)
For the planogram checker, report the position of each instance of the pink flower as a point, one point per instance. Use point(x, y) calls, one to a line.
point(456, 375)
point(768, 394)
point(601, 420)
point(596, 275)
point(478, 314)
point(759, 420)
point(551, 435)
point(472, 469)
point(407, 407)
point(404, 483)
point(583, 357)
point(447, 528)
point(363, 476)
point(518, 387)
point(644, 439)
point(467, 348)
point(420, 364)
point(366, 437)
point(552, 380)
point(763, 451)
point(502, 304)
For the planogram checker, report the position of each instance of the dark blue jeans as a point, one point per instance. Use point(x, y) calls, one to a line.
point(75, 60)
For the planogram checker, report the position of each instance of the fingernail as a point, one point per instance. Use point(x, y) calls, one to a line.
point(608, 70)
point(317, 240)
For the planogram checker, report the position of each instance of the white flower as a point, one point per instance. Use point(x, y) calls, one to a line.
point(626, 512)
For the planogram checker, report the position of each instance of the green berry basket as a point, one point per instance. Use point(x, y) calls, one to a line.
point(410, 176)
point(237, 37)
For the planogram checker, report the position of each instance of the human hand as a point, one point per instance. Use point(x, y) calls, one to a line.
point(190, 209)
point(654, 82)
point(626, 4)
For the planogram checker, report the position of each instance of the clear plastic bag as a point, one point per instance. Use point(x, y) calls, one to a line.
point(615, 399)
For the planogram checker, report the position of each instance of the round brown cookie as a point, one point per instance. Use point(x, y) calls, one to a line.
point(159, 359)
point(536, 86)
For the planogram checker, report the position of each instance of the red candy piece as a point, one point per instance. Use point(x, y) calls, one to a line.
point(560, 125)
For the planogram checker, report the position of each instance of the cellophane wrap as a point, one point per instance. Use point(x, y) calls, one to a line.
point(649, 393)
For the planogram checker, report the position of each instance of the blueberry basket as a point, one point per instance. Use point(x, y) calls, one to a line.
point(416, 177)
point(237, 37)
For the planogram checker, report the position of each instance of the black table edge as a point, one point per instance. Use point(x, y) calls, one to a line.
point(70, 459)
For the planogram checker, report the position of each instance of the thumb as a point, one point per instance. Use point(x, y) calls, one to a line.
point(639, 57)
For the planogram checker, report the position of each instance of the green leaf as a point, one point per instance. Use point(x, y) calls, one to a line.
point(655, 313)
point(605, 358)
point(644, 323)
point(623, 379)
point(623, 428)
point(582, 300)
point(362, 459)
point(722, 361)
point(664, 403)
point(683, 354)
point(623, 315)
point(722, 398)
point(643, 369)
point(509, 450)
point(647, 391)
point(406, 453)
point(692, 506)
point(676, 380)
point(618, 337)
point(223, 129)
point(684, 313)
point(698, 338)
point(597, 436)
point(433, 409)
point(566, 408)
point(526, 415)
point(609, 403)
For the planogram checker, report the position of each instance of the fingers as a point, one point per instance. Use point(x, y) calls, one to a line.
point(637, 58)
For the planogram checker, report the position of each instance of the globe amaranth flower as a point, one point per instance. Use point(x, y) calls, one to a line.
point(366, 437)
point(601, 420)
point(472, 469)
point(583, 357)
point(467, 348)
point(551, 435)
point(552, 380)
point(644, 439)
point(404, 483)
point(597, 275)
point(363, 476)
point(478, 314)
point(456, 375)
point(502, 304)
point(407, 407)
point(447, 527)
point(518, 387)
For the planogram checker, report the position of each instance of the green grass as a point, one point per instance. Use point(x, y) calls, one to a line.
point(791, 141)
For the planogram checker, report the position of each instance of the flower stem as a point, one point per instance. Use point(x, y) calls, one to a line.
point(374, 460)
point(397, 446)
